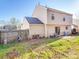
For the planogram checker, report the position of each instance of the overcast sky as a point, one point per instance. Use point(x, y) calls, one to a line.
point(21, 8)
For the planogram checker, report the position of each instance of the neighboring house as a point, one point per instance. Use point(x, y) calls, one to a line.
point(10, 27)
point(10, 33)
point(76, 24)
point(75, 27)
point(46, 22)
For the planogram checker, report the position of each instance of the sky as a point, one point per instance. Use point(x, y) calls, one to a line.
point(21, 8)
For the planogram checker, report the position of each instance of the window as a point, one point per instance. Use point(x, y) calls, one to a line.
point(64, 19)
point(4, 27)
point(66, 28)
point(53, 17)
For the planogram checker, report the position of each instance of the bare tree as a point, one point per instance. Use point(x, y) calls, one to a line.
point(13, 21)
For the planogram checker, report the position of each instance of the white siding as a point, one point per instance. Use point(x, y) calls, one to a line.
point(50, 30)
point(58, 18)
point(24, 24)
point(40, 12)
point(63, 29)
point(37, 29)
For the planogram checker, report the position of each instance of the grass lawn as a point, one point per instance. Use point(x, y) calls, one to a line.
point(67, 48)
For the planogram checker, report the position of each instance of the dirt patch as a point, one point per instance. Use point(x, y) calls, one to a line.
point(13, 54)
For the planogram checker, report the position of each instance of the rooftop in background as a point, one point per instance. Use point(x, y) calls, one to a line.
point(33, 20)
point(76, 22)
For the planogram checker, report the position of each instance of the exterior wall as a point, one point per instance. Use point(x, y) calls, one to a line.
point(63, 29)
point(51, 30)
point(24, 24)
point(45, 15)
point(40, 12)
point(37, 29)
point(58, 18)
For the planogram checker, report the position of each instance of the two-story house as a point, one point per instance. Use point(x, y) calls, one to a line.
point(47, 21)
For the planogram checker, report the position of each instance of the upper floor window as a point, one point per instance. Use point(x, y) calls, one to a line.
point(64, 19)
point(53, 17)
point(4, 27)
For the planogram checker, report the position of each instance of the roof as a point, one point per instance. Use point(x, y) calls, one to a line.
point(55, 10)
point(58, 11)
point(33, 20)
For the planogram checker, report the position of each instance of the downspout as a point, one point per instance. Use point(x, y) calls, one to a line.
point(45, 30)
